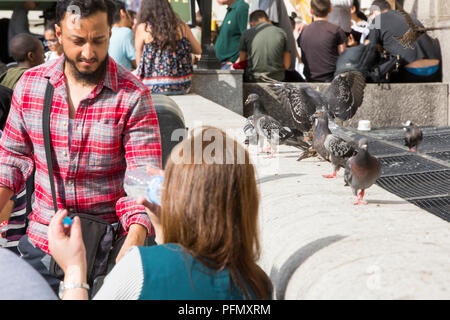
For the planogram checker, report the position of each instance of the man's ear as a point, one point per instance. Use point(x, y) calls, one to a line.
point(58, 32)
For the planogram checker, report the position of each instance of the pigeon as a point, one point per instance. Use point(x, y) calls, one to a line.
point(414, 32)
point(260, 125)
point(320, 133)
point(341, 100)
point(413, 136)
point(361, 171)
point(331, 147)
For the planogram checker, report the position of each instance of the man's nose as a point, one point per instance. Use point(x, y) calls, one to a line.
point(88, 52)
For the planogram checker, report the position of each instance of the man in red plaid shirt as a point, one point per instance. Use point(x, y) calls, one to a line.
point(102, 123)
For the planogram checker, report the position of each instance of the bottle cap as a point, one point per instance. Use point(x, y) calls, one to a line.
point(67, 221)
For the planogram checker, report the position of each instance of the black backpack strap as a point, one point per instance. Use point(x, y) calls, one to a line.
point(46, 131)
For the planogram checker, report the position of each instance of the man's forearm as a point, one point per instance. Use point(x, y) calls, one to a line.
point(137, 234)
point(135, 237)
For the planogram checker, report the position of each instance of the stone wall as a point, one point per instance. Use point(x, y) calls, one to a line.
point(220, 86)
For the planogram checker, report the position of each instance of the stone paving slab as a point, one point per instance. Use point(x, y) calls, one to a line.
point(317, 245)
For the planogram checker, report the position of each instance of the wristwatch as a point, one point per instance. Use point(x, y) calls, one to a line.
point(63, 287)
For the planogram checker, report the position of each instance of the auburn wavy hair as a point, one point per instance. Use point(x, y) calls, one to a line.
point(161, 22)
point(210, 205)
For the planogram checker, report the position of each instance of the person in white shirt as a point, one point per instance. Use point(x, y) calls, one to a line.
point(360, 26)
point(51, 41)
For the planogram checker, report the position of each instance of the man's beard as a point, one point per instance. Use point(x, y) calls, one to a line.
point(89, 77)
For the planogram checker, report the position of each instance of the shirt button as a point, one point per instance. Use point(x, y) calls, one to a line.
point(65, 124)
point(70, 182)
point(65, 153)
point(71, 210)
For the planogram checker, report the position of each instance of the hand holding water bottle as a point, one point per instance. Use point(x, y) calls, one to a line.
point(145, 185)
point(144, 182)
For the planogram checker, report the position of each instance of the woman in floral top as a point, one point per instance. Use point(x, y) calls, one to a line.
point(164, 47)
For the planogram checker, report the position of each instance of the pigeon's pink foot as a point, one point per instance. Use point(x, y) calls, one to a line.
point(412, 150)
point(330, 176)
point(271, 156)
point(268, 150)
point(359, 202)
point(359, 199)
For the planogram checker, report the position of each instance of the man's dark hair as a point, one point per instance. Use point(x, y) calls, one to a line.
point(321, 8)
point(85, 8)
point(382, 4)
point(119, 6)
point(21, 44)
point(256, 15)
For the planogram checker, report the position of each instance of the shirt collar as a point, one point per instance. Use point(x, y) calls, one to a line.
point(233, 5)
point(55, 73)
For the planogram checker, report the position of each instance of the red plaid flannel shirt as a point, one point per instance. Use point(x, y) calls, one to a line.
point(115, 128)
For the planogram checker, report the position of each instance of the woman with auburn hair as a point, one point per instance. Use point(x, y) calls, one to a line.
point(164, 44)
point(206, 228)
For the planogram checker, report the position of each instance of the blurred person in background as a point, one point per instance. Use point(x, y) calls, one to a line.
point(28, 52)
point(164, 46)
point(360, 26)
point(133, 17)
point(265, 48)
point(51, 41)
point(233, 25)
point(278, 15)
point(321, 44)
point(422, 62)
point(121, 43)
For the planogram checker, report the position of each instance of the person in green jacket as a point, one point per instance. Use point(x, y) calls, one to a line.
point(28, 52)
point(234, 24)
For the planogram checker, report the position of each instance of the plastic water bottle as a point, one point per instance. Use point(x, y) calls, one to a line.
point(138, 183)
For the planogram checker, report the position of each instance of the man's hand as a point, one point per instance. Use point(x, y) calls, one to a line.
point(135, 237)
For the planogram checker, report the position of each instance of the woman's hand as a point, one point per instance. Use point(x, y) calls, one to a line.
point(66, 244)
point(154, 171)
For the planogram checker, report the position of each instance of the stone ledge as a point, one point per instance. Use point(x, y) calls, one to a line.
point(426, 104)
point(317, 245)
point(217, 71)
